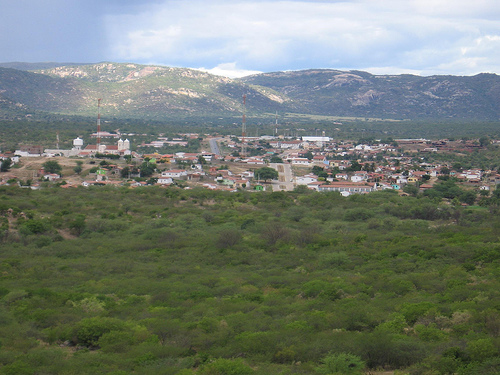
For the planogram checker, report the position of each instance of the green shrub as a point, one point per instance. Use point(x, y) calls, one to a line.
point(341, 363)
point(226, 367)
point(90, 330)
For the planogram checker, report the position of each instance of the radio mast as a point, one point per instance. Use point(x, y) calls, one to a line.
point(98, 125)
point(244, 128)
point(276, 125)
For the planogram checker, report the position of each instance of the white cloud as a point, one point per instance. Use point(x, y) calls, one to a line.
point(414, 36)
point(229, 70)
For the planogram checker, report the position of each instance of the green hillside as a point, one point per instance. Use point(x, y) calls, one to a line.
point(160, 93)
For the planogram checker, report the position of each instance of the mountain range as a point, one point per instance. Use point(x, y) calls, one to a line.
point(152, 92)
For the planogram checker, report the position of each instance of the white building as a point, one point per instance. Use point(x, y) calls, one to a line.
point(165, 180)
point(306, 180)
point(174, 173)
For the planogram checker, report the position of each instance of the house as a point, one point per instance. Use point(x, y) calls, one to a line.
point(29, 151)
point(424, 187)
point(315, 185)
point(359, 176)
point(399, 178)
point(165, 180)
point(247, 174)
point(342, 176)
point(196, 176)
point(348, 188)
point(207, 156)
point(254, 161)
point(293, 145)
point(174, 173)
point(385, 186)
point(51, 177)
point(299, 161)
point(242, 183)
point(306, 180)
point(320, 160)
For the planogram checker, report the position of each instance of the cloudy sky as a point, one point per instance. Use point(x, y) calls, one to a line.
point(238, 37)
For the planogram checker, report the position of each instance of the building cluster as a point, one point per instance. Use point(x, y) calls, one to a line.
point(121, 147)
point(318, 163)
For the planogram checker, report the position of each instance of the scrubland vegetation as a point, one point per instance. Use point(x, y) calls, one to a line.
point(168, 281)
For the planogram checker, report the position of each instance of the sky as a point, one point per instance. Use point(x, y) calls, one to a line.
point(240, 37)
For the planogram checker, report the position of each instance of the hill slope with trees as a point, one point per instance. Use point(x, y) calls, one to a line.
point(159, 93)
point(355, 93)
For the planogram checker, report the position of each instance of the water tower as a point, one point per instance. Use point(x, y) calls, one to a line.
point(77, 144)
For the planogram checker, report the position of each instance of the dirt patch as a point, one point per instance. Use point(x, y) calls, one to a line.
point(64, 233)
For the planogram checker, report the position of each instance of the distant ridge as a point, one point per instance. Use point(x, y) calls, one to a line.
point(362, 94)
point(37, 65)
point(151, 92)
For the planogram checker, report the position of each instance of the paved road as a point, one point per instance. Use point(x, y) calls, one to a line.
point(214, 146)
point(285, 177)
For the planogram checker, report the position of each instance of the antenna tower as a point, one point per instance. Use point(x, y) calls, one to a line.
point(98, 125)
point(57, 140)
point(244, 127)
point(276, 125)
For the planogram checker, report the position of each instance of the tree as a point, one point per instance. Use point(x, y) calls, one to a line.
point(484, 141)
point(317, 169)
point(125, 172)
point(445, 170)
point(6, 164)
point(89, 330)
point(411, 189)
point(78, 168)
point(52, 166)
point(147, 169)
point(309, 155)
point(468, 197)
point(354, 167)
point(276, 159)
point(266, 173)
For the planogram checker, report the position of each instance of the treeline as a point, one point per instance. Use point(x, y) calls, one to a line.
point(169, 281)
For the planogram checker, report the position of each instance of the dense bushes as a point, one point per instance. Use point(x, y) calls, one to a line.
point(200, 282)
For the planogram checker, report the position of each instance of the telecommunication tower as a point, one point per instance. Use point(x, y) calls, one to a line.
point(276, 125)
point(244, 128)
point(98, 125)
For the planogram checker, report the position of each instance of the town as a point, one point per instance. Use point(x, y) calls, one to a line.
point(271, 163)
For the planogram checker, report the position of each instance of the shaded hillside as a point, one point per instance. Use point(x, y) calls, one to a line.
point(39, 92)
point(354, 93)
